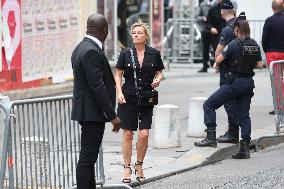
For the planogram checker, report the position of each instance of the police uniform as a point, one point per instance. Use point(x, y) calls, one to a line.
point(130, 111)
point(227, 35)
point(242, 55)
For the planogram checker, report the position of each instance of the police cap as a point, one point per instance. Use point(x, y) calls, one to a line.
point(227, 4)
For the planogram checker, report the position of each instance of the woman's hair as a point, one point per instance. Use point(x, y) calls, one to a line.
point(243, 25)
point(244, 28)
point(141, 24)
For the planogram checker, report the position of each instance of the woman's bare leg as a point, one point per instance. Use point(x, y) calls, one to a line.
point(127, 151)
point(141, 147)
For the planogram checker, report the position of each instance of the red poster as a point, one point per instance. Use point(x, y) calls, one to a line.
point(157, 23)
point(11, 75)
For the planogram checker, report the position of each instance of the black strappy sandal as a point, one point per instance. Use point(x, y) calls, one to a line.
point(127, 179)
point(139, 178)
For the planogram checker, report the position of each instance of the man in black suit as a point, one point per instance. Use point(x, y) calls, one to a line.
point(215, 24)
point(93, 97)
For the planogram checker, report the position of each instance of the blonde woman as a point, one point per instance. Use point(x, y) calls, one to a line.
point(149, 68)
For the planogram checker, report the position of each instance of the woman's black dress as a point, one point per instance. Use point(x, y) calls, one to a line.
point(130, 111)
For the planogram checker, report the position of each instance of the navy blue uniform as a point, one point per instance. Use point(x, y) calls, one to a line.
point(239, 88)
point(227, 35)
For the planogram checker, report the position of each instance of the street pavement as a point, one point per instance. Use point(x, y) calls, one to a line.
point(265, 169)
point(180, 85)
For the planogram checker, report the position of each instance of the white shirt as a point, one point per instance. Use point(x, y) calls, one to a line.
point(95, 40)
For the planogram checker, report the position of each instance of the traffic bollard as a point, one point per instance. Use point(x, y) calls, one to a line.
point(196, 126)
point(167, 127)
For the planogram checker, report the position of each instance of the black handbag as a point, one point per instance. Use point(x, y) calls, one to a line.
point(145, 97)
point(148, 98)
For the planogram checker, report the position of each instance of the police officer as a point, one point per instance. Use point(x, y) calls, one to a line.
point(227, 35)
point(242, 55)
point(228, 13)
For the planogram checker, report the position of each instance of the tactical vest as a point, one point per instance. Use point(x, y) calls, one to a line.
point(246, 61)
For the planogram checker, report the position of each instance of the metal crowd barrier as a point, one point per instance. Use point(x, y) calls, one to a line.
point(45, 145)
point(182, 42)
point(4, 133)
point(276, 74)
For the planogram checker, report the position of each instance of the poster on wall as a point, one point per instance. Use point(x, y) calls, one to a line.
point(49, 34)
point(110, 41)
point(157, 23)
point(11, 36)
point(1, 41)
point(33, 32)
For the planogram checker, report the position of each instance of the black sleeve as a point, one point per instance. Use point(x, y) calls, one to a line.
point(94, 71)
point(201, 13)
point(259, 58)
point(121, 61)
point(265, 35)
point(209, 19)
point(160, 64)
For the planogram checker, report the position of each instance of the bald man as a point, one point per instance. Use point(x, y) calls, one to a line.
point(93, 97)
point(272, 36)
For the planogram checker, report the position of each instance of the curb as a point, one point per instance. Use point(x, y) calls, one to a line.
point(67, 87)
point(49, 90)
point(267, 141)
point(222, 154)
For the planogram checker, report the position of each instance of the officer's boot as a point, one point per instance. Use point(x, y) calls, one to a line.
point(243, 153)
point(231, 136)
point(209, 141)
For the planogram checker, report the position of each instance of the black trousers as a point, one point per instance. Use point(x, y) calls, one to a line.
point(91, 139)
point(206, 41)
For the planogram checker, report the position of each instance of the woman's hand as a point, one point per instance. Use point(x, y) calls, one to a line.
point(121, 99)
point(157, 80)
point(156, 83)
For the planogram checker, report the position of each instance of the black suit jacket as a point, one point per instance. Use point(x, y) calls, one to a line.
point(94, 84)
point(215, 20)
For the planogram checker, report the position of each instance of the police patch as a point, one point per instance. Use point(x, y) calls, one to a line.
point(250, 50)
point(226, 48)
